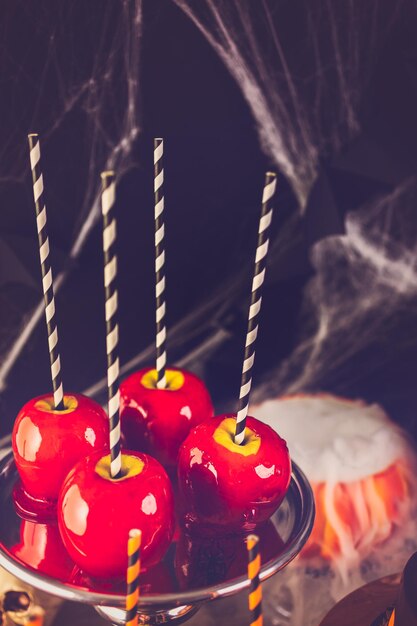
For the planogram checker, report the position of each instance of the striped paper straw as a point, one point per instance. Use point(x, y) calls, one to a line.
point(133, 570)
point(161, 354)
point(112, 328)
point(255, 589)
point(46, 269)
point(255, 305)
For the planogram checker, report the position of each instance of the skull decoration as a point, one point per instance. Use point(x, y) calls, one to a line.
point(17, 607)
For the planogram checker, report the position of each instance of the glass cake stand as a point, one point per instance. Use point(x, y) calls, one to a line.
point(194, 571)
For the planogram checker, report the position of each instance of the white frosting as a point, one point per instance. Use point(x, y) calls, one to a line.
point(333, 439)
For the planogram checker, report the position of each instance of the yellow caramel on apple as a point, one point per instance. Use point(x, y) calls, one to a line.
point(131, 466)
point(225, 436)
point(47, 405)
point(175, 380)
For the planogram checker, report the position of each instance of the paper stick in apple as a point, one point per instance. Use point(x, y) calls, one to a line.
point(108, 197)
point(255, 589)
point(46, 269)
point(255, 305)
point(233, 470)
point(159, 406)
point(161, 354)
point(51, 433)
point(132, 577)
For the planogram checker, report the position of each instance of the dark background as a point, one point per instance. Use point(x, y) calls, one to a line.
point(214, 170)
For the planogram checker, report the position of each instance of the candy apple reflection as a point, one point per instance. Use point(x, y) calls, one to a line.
point(205, 561)
point(41, 548)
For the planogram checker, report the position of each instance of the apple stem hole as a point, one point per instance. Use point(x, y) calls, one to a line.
point(131, 466)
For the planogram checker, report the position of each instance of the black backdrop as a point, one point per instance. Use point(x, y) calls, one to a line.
point(214, 175)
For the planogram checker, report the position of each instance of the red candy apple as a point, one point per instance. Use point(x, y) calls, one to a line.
point(158, 420)
point(48, 443)
point(41, 548)
point(96, 512)
point(202, 561)
point(229, 487)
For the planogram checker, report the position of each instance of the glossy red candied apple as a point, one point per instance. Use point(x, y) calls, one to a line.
point(96, 512)
point(158, 420)
point(48, 443)
point(229, 487)
point(202, 561)
point(41, 548)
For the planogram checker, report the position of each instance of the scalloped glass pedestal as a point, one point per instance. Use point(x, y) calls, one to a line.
point(194, 571)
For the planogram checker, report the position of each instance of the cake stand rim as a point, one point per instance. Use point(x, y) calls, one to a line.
point(300, 488)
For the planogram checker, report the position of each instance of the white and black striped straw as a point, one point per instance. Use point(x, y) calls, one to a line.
point(108, 197)
point(46, 269)
point(161, 353)
point(255, 305)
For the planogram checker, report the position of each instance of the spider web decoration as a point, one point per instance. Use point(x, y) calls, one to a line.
point(307, 95)
point(364, 293)
point(70, 72)
point(304, 92)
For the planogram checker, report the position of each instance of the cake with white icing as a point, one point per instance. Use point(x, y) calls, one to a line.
point(358, 461)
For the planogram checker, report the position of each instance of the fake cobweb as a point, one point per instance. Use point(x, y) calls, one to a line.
point(81, 68)
point(304, 69)
point(70, 72)
point(364, 292)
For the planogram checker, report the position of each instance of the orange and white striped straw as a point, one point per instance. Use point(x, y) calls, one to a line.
point(132, 577)
point(255, 589)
